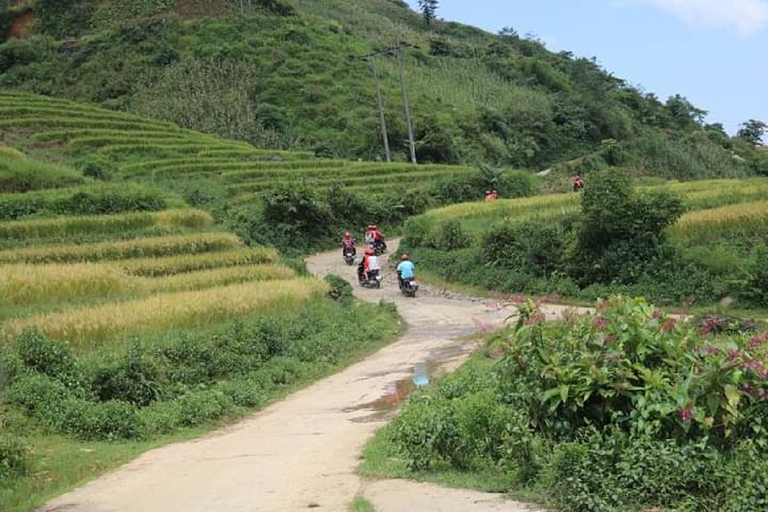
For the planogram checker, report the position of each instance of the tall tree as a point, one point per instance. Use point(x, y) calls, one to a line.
point(753, 131)
point(428, 10)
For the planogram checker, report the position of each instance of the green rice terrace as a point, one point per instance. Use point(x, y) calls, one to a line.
point(157, 151)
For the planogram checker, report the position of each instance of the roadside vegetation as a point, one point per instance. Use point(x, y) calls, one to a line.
point(624, 409)
point(680, 244)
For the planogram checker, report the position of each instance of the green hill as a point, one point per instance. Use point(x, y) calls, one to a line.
point(280, 74)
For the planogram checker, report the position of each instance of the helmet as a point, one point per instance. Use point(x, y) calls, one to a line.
point(405, 257)
point(369, 252)
point(374, 226)
point(347, 234)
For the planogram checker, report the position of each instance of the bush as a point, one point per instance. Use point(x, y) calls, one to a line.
point(452, 236)
point(534, 247)
point(51, 358)
point(132, 378)
point(425, 432)
point(621, 234)
point(96, 167)
point(14, 461)
point(756, 286)
point(104, 421)
point(623, 409)
point(22, 52)
point(200, 407)
point(340, 290)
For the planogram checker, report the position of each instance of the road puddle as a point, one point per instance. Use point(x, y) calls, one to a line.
point(397, 393)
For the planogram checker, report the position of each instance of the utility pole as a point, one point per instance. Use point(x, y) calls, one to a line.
point(401, 71)
point(381, 109)
point(398, 51)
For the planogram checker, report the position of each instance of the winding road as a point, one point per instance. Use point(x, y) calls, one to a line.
point(301, 453)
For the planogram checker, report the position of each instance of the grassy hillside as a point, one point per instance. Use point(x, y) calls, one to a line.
point(278, 73)
point(286, 198)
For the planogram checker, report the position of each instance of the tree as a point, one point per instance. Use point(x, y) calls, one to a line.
point(752, 131)
point(428, 10)
point(684, 112)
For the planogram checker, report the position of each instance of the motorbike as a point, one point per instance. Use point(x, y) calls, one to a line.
point(408, 287)
point(379, 247)
point(349, 255)
point(373, 281)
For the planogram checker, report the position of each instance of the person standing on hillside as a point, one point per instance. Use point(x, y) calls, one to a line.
point(578, 182)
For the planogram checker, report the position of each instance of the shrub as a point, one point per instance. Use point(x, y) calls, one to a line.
point(104, 421)
point(132, 378)
point(96, 167)
point(14, 461)
point(425, 432)
point(51, 358)
point(533, 247)
point(203, 406)
point(340, 289)
point(452, 236)
point(621, 234)
point(756, 286)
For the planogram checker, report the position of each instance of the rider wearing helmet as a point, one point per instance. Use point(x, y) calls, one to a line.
point(369, 263)
point(348, 243)
point(406, 270)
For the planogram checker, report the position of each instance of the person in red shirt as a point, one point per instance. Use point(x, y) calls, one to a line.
point(578, 183)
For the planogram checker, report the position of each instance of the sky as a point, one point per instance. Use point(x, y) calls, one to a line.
point(714, 52)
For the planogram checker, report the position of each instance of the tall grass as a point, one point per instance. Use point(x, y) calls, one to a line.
point(24, 175)
point(744, 221)
point(139, 248)
point(62, 227)
point(29, 285)
point(87, 328)
point(180, 264)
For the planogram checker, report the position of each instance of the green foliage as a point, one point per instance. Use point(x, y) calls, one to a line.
point(90, 200)
point(14, 457)
point(532, 247)
point(187, 378)
point(756, 286)
point(340, 290)
point(621, 232)
point(276, 74)
point(624, 409)
point(23, 175)
point(63, 18)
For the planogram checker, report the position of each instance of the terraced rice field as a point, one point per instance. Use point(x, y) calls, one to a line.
point(144, 149)
point(93, 263)
point(715, 208)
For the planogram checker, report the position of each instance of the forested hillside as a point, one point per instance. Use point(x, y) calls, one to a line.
point(282, 74)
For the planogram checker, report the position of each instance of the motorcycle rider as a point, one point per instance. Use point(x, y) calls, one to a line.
point(406, 270)
point(377, 238)
point(369, 263)
point(348, 243)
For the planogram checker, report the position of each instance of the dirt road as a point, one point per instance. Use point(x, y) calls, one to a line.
point(301, 453)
